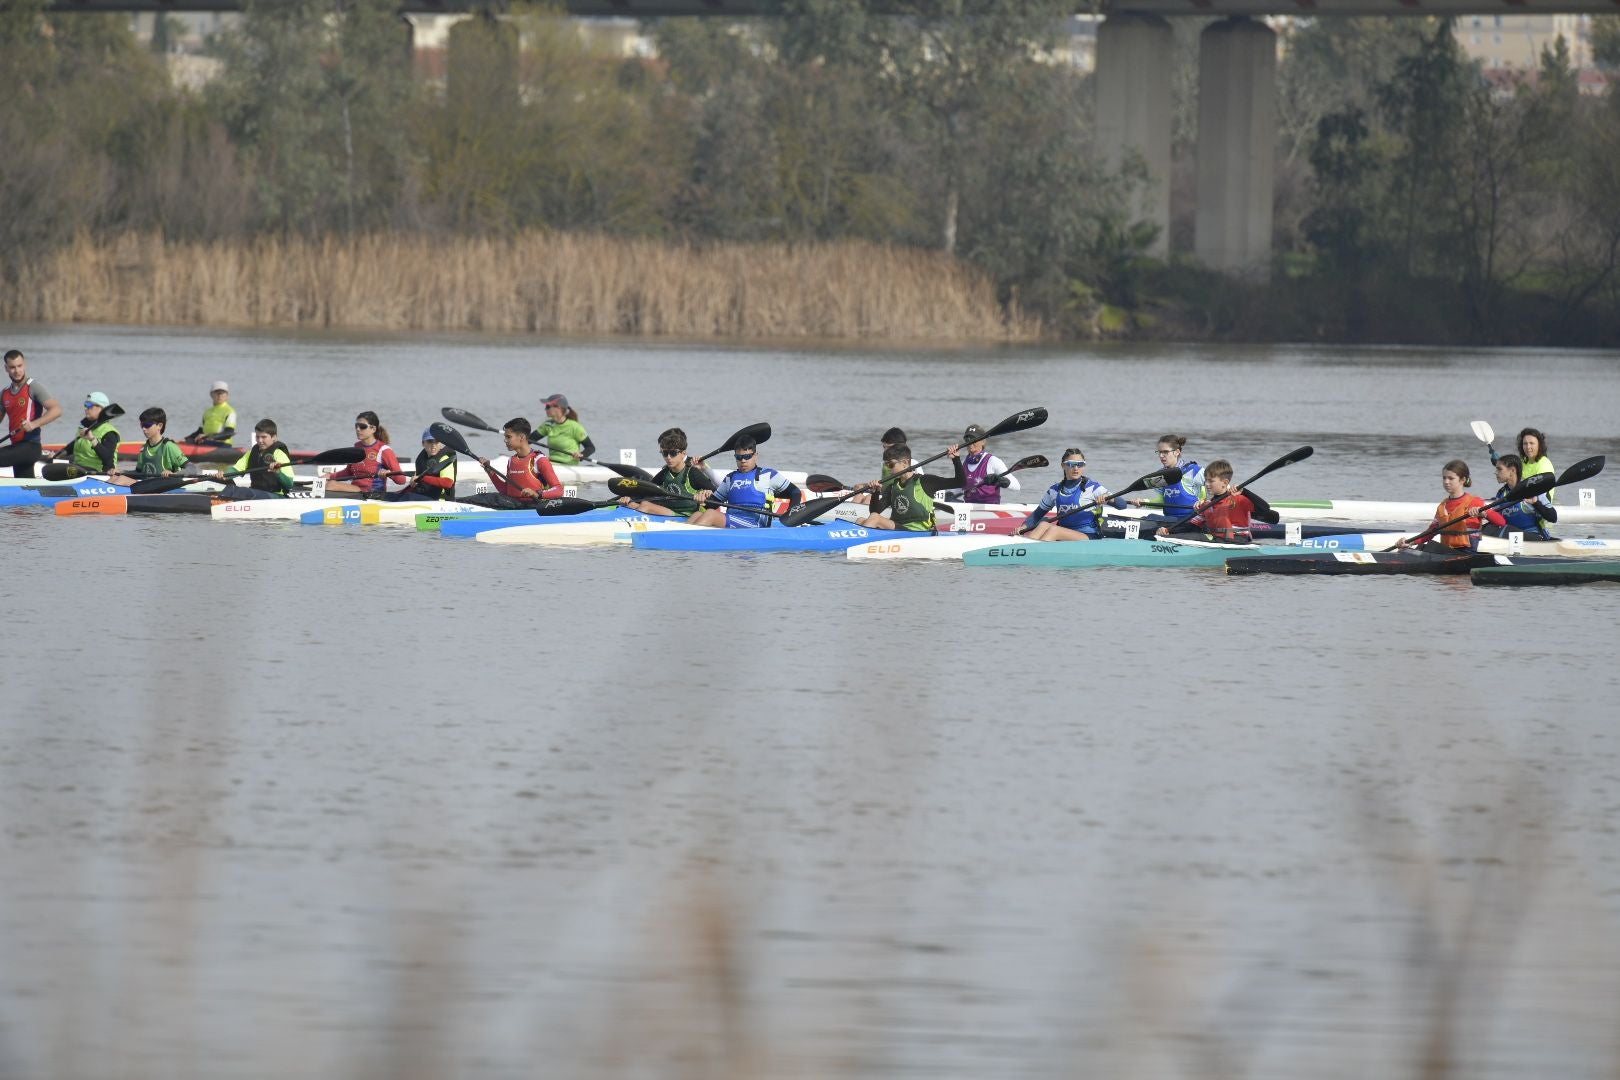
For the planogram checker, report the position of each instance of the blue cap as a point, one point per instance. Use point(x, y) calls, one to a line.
point(428, 436)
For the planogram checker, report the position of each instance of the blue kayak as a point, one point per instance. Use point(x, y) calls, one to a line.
point(46, 493)
point(501, 519)
point(834, 536)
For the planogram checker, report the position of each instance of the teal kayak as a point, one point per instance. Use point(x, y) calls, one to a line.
point(1158, 552)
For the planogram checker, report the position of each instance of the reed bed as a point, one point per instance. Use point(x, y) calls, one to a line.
point(546, 283)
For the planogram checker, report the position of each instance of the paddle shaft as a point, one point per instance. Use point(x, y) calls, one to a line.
point(1528, 488)
point(1287, 459)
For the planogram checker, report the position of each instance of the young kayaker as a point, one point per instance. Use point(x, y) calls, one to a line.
point(159, 456)
point(1529, 516)
point(904, 500)
point(1461, 535)
point(1179, 499)
point(750, 484)
point(893, 437)
point(218, 427)
point(381, 464)
point(983, 472)
point(1532, 456)
point(564, 435)
point(95, 448)
point(28, 407)
point(435, 475)
point(680, 476)
point(1064, 501)
point(274, 482)
point(1226, 513)
point(529, 476)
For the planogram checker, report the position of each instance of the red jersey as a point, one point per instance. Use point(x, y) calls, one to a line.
point(373, 473)
point(21, 405)
point(530, 472)
point(1228, 520)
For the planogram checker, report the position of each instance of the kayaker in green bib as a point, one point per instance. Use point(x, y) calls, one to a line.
point(159, 456)
point(565, 437)
point(905, 501)
point(95, 449)
point(681, 476)
point(218, 427)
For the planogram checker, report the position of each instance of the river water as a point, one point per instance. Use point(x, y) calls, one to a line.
point(322, 802)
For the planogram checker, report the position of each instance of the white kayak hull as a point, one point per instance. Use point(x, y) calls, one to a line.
point(576, 534)
point(941, 548)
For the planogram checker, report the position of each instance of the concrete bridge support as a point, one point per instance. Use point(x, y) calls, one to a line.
point(1237, 133)
point(1133, 109)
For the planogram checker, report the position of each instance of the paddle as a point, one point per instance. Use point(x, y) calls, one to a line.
point(51, 472)
point(343, 455)
point(466, 420)
point(453, 439)
point(1162, 478)
point(472, 420)
point(1287, 459)
point(760, 432)
point(1020, 421)
point(621, 487)
point(1483, 432)
point(821, 483)
point(1528, 488)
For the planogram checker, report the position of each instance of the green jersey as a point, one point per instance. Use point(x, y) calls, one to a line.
point(563, 440)
point(159, 459)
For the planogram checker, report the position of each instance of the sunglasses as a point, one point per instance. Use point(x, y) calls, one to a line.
point(1074, 464)
point(672, 453)
point(361, 425)
point(743, 457)
point(148, 423)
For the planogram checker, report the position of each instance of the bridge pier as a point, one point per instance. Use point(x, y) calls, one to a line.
point(1133, 109)
point(1237, 135)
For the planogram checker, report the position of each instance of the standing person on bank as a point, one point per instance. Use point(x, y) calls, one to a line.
point(28, 407)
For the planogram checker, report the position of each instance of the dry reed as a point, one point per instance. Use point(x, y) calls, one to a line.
point(548, 283)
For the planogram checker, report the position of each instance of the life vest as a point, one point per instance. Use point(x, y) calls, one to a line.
point(268, 479)
point(83, 452)
point(911, 507)
point(1520, 518)
point(1180, 498)
point(680, 485)
point(1229, 519)
point(1464, 534)
point(153, 460)
point(745, 489)
point(370, 474)
point(216, 418)
point(1066, 502)
point(21, 406)
point(979, 488)
point(443, 464)
point(1542, 464)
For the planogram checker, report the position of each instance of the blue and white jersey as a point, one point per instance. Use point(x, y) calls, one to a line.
point(1520, 518)
point(750, 488)
point(1062, 500)
point(1180, 499)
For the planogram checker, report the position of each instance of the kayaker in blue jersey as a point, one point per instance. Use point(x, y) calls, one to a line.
point(1064, 500)
point(1529, 517)
point(749, 484)
point(904, 500)
point(1179, 499)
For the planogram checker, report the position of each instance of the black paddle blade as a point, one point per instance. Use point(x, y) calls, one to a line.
point(1021, 421)
point(157, 485)
point(1584, 469)
point(760, 432)
point(629, 472)
point(465, 419)
point(1034, 461)
point(451, 438)
point(821, 483)
point(1287, 459)
point(811, 510)
point(1539, 484)
point(1162, 478)
point(342, 455)
point(563, 507)
point(630, 487)
point(56, 472)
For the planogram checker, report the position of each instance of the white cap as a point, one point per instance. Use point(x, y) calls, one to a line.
point(219, 386)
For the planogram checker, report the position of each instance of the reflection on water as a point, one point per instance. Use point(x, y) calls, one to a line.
point(298, 801)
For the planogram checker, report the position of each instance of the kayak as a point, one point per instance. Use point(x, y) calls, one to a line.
point(168, 502)
point(571, 532)
point(129, 451)
point(950, 547)
point(43, 493)
point(368, 512)
point(838, 536)
point(1368, 562)
point(1162, 551)
point(289, 509)
point(1573, 573)
point(501, 519)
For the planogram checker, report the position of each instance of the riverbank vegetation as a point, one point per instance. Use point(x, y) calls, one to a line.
point(830, 173)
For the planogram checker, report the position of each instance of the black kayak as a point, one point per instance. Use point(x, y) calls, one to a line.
point(173, 502)
point(1114, 529)
point(1563, 572)
point(1364, 562)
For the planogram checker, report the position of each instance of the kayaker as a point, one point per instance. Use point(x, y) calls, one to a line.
point(435, 474)
point(529, 475)
point(682, 477)
point(1529, 516)
point(984, 474)
point(904, 500)
point(1178, 499)
point(95, 448)
point(564, 435)
point(28, 407)
point(159, 456)
point(381, 464)
point(893, 437)
point(1226, 513)
point(1064, 501)
point(274, 482)
point(218, 427)
point(750, 484)
point(1461, 535)
point(1532, 455)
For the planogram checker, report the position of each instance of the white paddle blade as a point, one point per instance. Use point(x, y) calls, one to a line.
point(1483, 432)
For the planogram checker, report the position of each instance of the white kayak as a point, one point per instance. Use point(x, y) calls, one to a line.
point(291, 509)
point(949, 547)
point(578, 533)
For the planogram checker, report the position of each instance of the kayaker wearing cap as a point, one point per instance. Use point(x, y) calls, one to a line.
point(369, 476)
point(435, 472)
point(564, 435)
point(28, 407)
point(1181, 498)
point(1225, 520)
point(266, 450)
point(983, 472)
point(95, 448)
point(1064, 501)
point(904, 500)
point(749, 484)
point(218, 425)
point(159, 456)
point(529, 476)
point(680, 476)
point(1529, 516)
